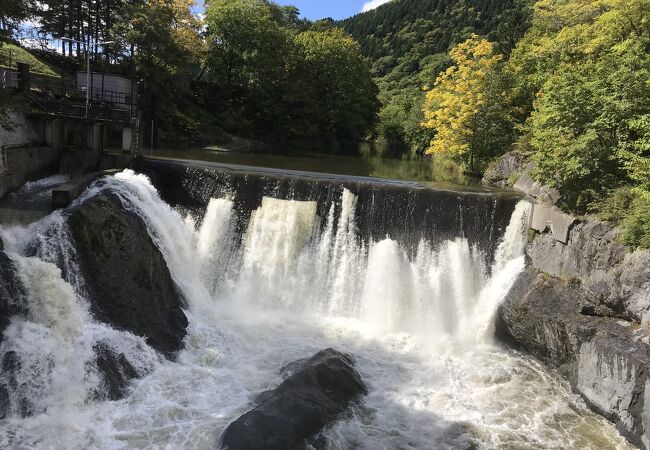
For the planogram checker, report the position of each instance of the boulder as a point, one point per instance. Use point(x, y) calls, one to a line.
point(12, 292)
point(606, 360)
point(127, 280)
point(313, 395)
point(115, 371)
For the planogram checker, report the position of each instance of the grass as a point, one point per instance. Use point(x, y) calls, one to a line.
point(21, 55)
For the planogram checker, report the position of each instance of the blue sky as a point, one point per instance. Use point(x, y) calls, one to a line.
point(336, 9)
point(320, 9)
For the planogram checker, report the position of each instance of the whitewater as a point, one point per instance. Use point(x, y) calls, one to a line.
point(419, 325)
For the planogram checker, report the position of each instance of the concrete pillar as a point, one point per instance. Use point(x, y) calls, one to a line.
point(126, 139)
point(46, 132)
point(56, 134)
point(98, 138)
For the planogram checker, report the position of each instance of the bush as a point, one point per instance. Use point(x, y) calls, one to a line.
point(636, 225)
point(630, 209)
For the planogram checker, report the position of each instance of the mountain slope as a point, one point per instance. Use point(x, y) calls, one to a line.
point(408, 40)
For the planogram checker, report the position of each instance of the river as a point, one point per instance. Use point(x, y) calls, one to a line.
point(278, 274)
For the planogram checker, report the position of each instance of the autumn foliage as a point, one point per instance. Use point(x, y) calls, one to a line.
point(465, 102)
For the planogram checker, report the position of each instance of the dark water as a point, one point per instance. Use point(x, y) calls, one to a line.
point(421, 170)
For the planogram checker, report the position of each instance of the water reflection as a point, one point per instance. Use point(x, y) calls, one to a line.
point(420, 170)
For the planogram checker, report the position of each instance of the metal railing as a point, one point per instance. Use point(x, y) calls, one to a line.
point(60, 96)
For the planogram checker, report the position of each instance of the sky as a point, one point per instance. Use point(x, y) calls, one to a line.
point(320, 9)
point(336, 9)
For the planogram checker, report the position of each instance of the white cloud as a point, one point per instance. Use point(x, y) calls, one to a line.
point(372, 4)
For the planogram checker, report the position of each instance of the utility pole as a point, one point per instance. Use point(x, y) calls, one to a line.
point(89, 50)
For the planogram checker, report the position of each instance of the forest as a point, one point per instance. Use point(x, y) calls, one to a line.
point(562, 82)
point(408, 42)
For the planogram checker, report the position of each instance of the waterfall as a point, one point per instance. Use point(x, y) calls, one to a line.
point(289, 261)
point(273, 283)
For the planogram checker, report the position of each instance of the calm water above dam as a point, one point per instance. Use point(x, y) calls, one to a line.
point(274, 268)
point(421, 170)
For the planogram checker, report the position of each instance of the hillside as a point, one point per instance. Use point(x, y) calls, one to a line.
point(11, 54)
point(433, 26)
point(408, 40)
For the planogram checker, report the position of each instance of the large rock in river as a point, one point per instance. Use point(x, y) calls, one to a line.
point(12, 292)
point(128, 282)
point(285, 418)
point(12, 298)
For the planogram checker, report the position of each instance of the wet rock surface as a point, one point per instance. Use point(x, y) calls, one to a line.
point(12, 292)
point(129, 285)
point(115, 370)
point(583, 308)
point(20, 404)
point(315, 393)
point(12, 303)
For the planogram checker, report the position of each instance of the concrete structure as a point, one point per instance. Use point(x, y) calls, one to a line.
point(64, 195)
point(67, 120)
point(525, 183)
point(25, 163)
point(110, 88)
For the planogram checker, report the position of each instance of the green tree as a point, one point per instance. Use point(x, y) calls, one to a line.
point(247, 41)
point(468, 108)
point(587, 64)
point(272, 76)
point(168, 50)
point(337, 77)
point(635, 152)
point(12, 12)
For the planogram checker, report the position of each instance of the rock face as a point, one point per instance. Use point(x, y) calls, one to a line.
point(285, 418)
point(616, 282)
point(129, 285)
point(583, 308)
point(12, 293)
point(504, 169)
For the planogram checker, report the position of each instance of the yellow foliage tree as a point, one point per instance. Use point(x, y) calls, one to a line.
point(455, 107)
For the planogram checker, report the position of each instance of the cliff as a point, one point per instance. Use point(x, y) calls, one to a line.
point(583, 306)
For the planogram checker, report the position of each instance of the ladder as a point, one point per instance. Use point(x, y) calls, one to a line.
point(135, 136)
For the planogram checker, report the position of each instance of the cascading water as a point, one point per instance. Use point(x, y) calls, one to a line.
point(293, 279)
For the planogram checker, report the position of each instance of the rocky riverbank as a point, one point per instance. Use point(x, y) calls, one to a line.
point(583, 306)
